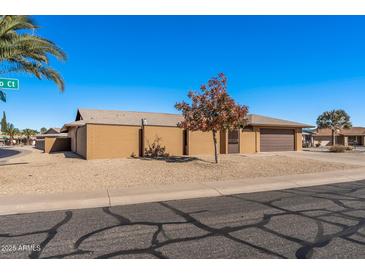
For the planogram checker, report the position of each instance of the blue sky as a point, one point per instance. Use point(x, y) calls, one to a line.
point(290, 67)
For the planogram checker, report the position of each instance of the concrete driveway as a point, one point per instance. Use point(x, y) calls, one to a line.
point(352, 158)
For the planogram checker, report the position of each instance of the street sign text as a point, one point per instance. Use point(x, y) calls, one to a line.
point(7, 83)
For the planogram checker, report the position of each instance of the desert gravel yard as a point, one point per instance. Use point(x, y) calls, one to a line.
point(37, 172)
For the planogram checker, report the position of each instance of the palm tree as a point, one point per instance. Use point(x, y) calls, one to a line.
point(3, 122)
point(23, 51)
point(336, 120)
point(11, 131)
point(29, 133)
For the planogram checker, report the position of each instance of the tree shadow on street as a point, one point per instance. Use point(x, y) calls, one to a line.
point(8, 152)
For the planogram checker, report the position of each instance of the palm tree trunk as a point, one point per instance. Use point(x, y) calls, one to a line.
point(215, 147)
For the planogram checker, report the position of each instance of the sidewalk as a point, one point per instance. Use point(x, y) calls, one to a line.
point(112, 197)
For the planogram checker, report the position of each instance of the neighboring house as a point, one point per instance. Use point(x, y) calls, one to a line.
point(2, 138)
point(307, 137)
point(52, 140)
point(352, 137)
point(97, 134)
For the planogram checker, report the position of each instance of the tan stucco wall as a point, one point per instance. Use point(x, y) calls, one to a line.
point(112, 141)
point(81, 141)
point(257, 138)
point(223, 138)
point(170, 137)
point(78, 140)
point(298, 139)
point(247, 140)
point(95, 141)
point(72, 134)
point(201, 143)
point(54, 144)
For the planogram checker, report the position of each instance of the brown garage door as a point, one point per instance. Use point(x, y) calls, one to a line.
point(277, 139)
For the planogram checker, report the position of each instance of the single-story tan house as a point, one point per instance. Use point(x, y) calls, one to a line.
point(100, 134)
point(351, 136)
point(52, 140)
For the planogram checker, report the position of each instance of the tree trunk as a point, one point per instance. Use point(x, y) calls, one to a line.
point(333, 137)
point(215, 147)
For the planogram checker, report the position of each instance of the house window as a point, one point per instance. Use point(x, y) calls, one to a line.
point(353, 140)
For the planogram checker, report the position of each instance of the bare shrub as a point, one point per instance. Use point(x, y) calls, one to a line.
point(155, 150)
point(337, 148)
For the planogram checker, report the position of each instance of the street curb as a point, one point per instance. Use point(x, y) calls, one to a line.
point(127, 196)
point(41, 203)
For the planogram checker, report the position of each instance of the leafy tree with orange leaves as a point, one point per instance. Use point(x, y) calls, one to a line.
point(212, 109)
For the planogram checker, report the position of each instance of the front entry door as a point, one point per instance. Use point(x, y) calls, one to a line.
point(233, 141)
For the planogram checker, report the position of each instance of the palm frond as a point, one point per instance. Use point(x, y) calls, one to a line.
point(54, 76)
point(23, 21)
point(14, 22)
point(2, 96)
point(25, 44)
point(27, 53)
point(38, 70)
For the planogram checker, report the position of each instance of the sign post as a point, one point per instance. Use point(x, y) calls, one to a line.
point(8, 83)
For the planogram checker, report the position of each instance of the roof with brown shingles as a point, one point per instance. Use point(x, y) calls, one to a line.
point(41, 136)
point(128, 117)
point(260, 120)
point(117, 117)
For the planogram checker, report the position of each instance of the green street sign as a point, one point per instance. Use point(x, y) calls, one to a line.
point(7, 83)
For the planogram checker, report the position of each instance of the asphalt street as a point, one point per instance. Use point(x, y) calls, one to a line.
point(314, 222)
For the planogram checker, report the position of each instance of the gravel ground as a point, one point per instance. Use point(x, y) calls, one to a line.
point(37, 172)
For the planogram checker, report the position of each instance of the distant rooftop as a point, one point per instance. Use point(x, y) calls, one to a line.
point(52, 130)
point(354, 131)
